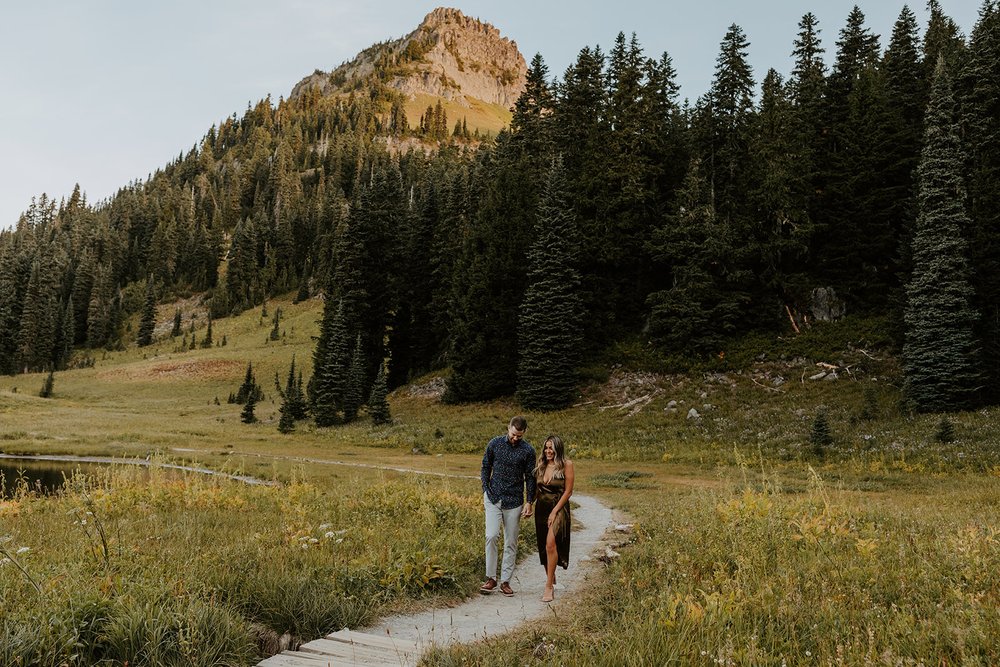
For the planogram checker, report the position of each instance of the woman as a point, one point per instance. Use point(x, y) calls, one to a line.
point(554, 476)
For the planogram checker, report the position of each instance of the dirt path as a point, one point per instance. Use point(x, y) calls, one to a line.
point(486, 616)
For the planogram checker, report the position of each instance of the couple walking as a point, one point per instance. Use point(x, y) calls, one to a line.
point(509, 469)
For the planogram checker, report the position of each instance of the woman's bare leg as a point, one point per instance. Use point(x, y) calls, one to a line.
point(551, 556)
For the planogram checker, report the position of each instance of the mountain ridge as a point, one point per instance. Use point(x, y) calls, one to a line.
point(460, 60)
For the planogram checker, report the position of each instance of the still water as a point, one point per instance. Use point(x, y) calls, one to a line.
point(41, 476)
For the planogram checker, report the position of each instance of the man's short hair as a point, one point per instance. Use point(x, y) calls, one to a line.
point(519, 423)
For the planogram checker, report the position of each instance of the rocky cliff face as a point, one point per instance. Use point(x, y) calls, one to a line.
point(449, 55)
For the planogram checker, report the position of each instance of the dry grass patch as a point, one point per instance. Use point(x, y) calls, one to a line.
point(197, 369)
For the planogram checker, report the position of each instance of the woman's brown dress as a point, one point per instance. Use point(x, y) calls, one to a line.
point(546, 497)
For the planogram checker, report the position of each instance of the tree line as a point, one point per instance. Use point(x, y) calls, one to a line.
point(609, 210)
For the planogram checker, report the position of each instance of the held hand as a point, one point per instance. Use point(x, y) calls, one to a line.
point(526, 512)
point(552, 517)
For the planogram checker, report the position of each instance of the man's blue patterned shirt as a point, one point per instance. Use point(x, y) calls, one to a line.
point(507, 470)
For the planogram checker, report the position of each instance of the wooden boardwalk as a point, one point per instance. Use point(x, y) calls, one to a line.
point(347, 647)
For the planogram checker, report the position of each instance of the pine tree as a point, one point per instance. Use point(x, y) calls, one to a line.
point(289, 398)
point(11, 305)
point(869, 404)
point(854, 246)
point(176, 330)
point(700, 308)
point(581, 137)
point(207, 340)
point(378, 405)
point(275, 330)
point(330, 366)
point(303, 293)
point(904, 82)
point(292, 393)
point(147, 322)
point(99, 312)
point(551, 317)
point(980, 96)
point(820, 435)
point(36, 337)
point(83, 284)
point(302, 407)
point(938, 355)
point(731, 100)
point(808, 74)
point(807, 87)
point(723, 127)
point(47, 385)
point(942, 37)
point(628, 202)
point(398, 124)
point(356, 384)
point(249, 388)
point(779, 200)
point(905, 87)
point(286, 423)
point(247, 415)
point(945, 431)
point(67, 335)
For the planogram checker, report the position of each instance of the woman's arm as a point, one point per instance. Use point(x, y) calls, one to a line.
point(567, 492)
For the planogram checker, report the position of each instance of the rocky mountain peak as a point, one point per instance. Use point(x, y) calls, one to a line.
point(449, 55)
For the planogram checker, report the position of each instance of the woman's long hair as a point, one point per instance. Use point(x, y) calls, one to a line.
point(559, 462)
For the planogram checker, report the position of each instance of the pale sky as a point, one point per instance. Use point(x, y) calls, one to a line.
point(103, 92)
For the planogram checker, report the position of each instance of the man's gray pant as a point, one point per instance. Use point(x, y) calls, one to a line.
point(511, 520)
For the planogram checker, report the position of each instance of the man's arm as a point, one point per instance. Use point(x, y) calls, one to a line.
point(529, 481)
point(486, 471)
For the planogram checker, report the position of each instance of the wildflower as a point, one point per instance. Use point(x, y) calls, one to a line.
point(324, 526)
point(23, 550)
point(4, 560)
point(329, 534)
point(313, 540)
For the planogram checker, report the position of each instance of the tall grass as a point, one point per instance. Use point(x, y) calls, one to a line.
point(127, 568)
point(759, 576)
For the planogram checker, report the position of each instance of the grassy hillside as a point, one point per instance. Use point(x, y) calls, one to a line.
point(757, 404)
point(487, 118)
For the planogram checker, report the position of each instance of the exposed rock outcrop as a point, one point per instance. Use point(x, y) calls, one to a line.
point(449, 55)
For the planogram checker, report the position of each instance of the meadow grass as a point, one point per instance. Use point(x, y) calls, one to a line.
point(734, 575)
point(752, 546)
point(169, 569)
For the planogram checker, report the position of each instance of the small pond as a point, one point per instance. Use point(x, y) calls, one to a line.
point(41, 476)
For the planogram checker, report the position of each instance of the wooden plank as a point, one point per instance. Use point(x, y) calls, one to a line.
point(385, 641)
point(359, 654)
point(293, 659)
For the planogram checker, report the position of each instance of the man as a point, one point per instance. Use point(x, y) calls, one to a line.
point(508, 469)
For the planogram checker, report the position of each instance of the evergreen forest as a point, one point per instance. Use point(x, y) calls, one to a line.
point(610, 210)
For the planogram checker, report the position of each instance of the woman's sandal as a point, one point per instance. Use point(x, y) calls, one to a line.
point(548, 596)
